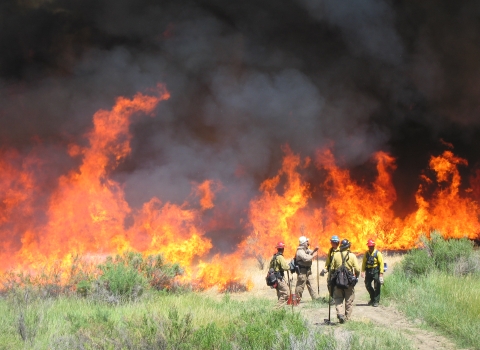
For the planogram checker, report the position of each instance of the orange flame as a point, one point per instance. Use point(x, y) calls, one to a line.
point(356, 211)
point(277, 214)
point(448, 212)
point(206, 191)
point(86, 213)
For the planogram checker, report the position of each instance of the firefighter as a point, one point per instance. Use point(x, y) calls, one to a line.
point(304, 258)
point(334, 242)
point(280, 265)
point(373, 266)
point(348, 294)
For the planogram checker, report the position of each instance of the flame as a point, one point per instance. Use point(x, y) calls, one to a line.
point(206, 190)
point(356, 211)
point(447, 211)
point(86, 213)
point(276, 215)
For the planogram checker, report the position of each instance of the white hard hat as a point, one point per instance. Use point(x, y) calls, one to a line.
point(302, 239)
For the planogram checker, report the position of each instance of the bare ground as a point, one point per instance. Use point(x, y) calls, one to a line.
point(385, 317)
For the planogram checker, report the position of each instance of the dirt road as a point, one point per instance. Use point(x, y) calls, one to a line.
point(386, 317)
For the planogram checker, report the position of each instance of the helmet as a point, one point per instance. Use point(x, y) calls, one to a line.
point(280, 245)
point(335, 239)
point(371, 243)
point(345, 244)
point(302, 239)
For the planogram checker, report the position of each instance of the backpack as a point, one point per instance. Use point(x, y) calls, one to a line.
point(272, 276)
point(293, 266)
point(342, 277)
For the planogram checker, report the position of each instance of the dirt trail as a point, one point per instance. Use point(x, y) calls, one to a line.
point(385, 317)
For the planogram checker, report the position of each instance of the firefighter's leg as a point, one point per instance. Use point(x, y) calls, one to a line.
point(282, 293)
point(377, 286)
point(338, 296)
point(349, 299)
point(301, 281)
point(311, 290)
point(368, 285)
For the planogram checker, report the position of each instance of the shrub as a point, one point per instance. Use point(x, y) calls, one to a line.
point(84, 287)
point(122, 279)
point(446, 252)
point(417, 263)
point(465, 266)
point(160, 274)
point(437, 253)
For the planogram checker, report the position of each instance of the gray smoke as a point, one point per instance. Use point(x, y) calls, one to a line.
point(245, 77)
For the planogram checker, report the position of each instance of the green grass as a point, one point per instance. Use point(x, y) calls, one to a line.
point(159, 320)
point(450, 303)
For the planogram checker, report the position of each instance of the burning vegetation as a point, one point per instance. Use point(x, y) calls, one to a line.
point(86, 214)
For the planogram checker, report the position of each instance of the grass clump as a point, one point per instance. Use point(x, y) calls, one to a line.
point(438, 284)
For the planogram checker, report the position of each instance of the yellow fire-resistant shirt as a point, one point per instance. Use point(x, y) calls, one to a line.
point(351, 262)
point(377, 262)
point(328, 261)
point(279, 263)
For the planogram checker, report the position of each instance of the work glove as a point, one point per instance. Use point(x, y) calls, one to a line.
point(381, 280)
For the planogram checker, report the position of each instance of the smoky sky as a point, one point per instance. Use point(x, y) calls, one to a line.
point(245, 78)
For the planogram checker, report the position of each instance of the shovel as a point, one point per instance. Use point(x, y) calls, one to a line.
point(327, 321)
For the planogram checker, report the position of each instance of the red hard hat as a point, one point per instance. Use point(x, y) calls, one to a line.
point(280, 245)
point(370, 243)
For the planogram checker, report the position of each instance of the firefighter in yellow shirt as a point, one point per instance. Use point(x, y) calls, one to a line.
point(280, 265)
point(344, 256)
point(334, 242)
point(373, 266)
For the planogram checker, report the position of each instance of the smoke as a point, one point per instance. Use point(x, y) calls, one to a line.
point(245, 78)
point(368, 27)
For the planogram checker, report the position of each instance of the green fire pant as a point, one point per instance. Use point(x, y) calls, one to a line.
point(372, 275)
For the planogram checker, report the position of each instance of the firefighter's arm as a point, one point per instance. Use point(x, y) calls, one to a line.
point(356, 266)
point(327, 261)
point(312, 252)
point(325, 269)
point(283, 263)
point(364, 265)
point(303, 256)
